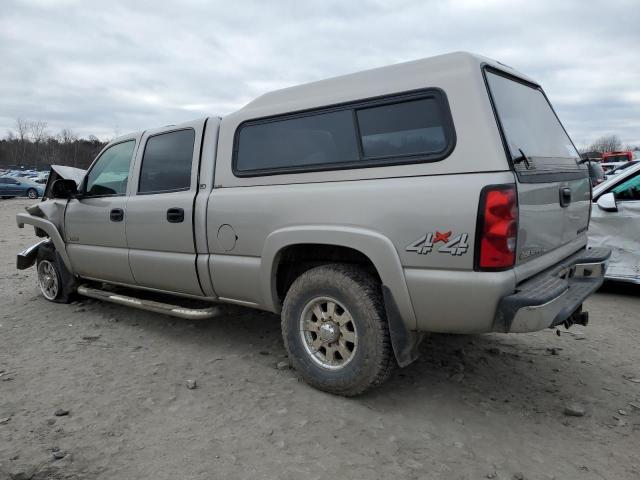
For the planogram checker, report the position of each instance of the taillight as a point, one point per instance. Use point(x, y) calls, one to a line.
point(497, 227)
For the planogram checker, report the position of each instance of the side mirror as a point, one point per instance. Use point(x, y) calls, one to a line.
point(64, 188)
point(607, 202)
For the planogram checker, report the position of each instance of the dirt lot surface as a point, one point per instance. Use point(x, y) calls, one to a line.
point(473, 407)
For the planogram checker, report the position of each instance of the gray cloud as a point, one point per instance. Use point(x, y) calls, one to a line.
point(102, 67)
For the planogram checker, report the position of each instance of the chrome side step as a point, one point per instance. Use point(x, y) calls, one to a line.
point(149, 305)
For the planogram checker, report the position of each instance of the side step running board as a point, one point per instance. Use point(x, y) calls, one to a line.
point(149, 305)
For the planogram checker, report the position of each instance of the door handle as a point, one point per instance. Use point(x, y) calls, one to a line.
point(175, 215)
point(565, 196)
point(116, 215)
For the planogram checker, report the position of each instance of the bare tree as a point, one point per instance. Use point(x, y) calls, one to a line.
point(38, 135)
point(67, 136)
point(69, 141)
point(13, 147)
point(606, 143)
point(22, 130)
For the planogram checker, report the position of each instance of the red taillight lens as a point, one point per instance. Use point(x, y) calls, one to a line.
point(498, 227)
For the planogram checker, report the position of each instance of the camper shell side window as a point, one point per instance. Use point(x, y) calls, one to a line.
point(413, 127)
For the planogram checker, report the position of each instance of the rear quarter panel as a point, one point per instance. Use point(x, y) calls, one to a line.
point(400, 209)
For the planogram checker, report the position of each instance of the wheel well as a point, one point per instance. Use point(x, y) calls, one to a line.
point(294, 260)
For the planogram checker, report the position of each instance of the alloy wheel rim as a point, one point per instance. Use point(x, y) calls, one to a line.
point(32, 194)
point(328, 333)
point(48, 279)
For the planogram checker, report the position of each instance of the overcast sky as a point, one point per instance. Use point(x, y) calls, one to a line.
point(111, 67)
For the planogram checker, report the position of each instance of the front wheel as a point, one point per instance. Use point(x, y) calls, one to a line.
point(49, 280)
point(335, 329)
point(32, 193)
point(54, 280)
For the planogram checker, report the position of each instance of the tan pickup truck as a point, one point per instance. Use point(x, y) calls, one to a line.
point(439, 195)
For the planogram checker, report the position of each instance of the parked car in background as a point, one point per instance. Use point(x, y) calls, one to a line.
point(20, 187)
point(596, 173)
point(624, 156)
point(609, 166)
point(42, 177)
point(615, 223)
point(621, 168)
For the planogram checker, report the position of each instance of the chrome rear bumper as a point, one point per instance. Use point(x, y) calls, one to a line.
point(551, 297)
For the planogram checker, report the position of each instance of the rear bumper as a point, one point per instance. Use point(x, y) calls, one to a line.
point(551, 297)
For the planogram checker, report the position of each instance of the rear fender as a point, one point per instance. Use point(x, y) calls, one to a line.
point(382, 253)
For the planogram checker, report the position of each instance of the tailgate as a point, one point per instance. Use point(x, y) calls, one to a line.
point(554, 190)
point(552, 214)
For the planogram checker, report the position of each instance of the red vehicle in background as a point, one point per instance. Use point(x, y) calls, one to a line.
point(610, 157)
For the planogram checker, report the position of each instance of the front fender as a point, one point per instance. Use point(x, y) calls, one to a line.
point(50, 229)
point(378, 248)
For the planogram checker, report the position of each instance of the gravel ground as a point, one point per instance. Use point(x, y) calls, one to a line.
point(473, 407)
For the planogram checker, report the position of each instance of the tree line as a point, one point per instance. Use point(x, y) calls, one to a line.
point(608, 143)
point(30, 145)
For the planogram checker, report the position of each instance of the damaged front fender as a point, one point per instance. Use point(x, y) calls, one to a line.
point(28, 256)
point(47, 217)
point(50, 230)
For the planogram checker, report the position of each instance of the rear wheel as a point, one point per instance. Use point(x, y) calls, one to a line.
point(54, 280)
point(335, 329)
point(32, 193)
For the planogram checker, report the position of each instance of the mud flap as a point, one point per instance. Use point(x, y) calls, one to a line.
point(404, 342)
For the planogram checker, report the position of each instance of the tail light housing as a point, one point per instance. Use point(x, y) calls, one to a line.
point(497, 228)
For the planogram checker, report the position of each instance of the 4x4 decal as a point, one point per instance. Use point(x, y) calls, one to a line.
point(454, 246)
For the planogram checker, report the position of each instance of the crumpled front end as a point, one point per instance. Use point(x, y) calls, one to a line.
point(47, 218)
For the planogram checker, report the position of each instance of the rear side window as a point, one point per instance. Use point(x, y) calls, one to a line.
point(166, 163)
point(407, 128)
point(392, 130)
point(311, 140)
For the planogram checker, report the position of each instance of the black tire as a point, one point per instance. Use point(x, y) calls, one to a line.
point(47, 256)
point(358, 293)
point(32, 193)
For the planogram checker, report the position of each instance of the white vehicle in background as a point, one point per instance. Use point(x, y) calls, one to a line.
point(618, 170)
point(615, 223)
point(611, 166)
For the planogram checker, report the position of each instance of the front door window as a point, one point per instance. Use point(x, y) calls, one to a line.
point(110, 174)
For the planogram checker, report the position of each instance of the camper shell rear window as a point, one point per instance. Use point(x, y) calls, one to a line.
point(399, 129)
point(536, 143)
